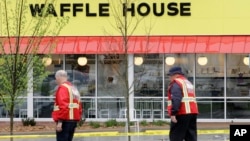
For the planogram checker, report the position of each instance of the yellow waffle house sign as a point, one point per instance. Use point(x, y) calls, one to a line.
point(152, 17)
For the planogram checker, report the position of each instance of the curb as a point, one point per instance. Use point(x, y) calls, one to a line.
point(112, 133)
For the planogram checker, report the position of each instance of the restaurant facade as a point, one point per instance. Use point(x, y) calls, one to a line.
point(208, 39)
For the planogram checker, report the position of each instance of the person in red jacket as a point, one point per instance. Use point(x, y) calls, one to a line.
point(67, 107)
point(182, 107)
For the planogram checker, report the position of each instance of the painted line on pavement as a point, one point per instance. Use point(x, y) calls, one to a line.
point(116, 133)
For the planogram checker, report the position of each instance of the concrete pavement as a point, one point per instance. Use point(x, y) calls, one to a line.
point(148, 135)
point(124, 138)
point(206, 132)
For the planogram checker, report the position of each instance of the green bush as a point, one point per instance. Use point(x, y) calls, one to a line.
point(28, 122)
point(159, 122)
point(95, 124)
point(111, 123)
point(144, 123)
point(123, 124)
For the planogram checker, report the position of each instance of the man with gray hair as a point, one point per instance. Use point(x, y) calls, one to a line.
point(67, 107)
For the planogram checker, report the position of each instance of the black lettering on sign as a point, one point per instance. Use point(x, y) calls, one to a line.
point(77, 7)
point(185, 9)
point(104, 9)
point(143, 9)
point(239, 132)
point(64, 7)
point(129, 9)
point(173, 9)
point(156, 9)
point(88, 12)
point(37, 10)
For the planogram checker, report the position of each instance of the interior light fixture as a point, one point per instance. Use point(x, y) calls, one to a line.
point(138, 61)
point(170, 60)
point(246, 60)
point(82, 61)
point(47, 61)
point(202, 60)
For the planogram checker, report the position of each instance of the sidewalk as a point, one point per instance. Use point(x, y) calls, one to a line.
point(48, 128)
point(213, 125)
point(206, 132)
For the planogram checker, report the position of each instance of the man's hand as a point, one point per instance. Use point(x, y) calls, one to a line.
point(59, 127)
point(173, 119)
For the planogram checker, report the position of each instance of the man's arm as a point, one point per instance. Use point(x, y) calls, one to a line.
point(176, 96)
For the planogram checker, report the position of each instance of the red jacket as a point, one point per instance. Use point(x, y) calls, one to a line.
point(188, 103)
point(66, 106)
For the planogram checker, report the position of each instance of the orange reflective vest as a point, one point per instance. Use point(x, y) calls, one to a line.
point(66, 106)
point(188, 103)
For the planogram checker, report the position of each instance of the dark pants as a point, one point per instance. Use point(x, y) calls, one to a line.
point(68, 130)
point(184, 129)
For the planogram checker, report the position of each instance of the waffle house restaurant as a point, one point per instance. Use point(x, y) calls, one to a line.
point(209, 39)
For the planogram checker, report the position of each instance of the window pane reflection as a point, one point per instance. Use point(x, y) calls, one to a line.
point(238, 85)
point(210, 76)
point(238, 76)
point(82, 76)
point(48, 85)
point(148, 76)
point(111, 75)
point(238, 108)
point(211, 108)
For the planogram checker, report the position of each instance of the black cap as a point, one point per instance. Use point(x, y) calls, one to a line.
point(175, 70)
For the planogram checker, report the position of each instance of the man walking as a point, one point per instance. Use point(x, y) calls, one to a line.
point(182, 107)
point(67, 107)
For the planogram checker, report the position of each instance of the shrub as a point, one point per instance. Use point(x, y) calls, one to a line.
point(123, 124)
point(159, 122)
point(111, 123)
point(28, 122)
point(94, 124)
point(144, 123)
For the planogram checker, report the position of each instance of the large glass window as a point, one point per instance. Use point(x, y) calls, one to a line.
point(148, 86)
point(214, 88)
point(238, 86)
point(112, 86)
point(111, 76)
point(209, 75)
point(210, 85)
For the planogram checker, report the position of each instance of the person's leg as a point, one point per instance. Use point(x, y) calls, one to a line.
point(72, 126)
point(61, 136)
point(192, 129)
point(65, 134)
point(178, 130)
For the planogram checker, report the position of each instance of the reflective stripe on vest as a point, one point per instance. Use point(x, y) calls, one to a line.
point(71, 110)
point(71, 105)
point(184, 99)
point(56, 108)
point(185, 92)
